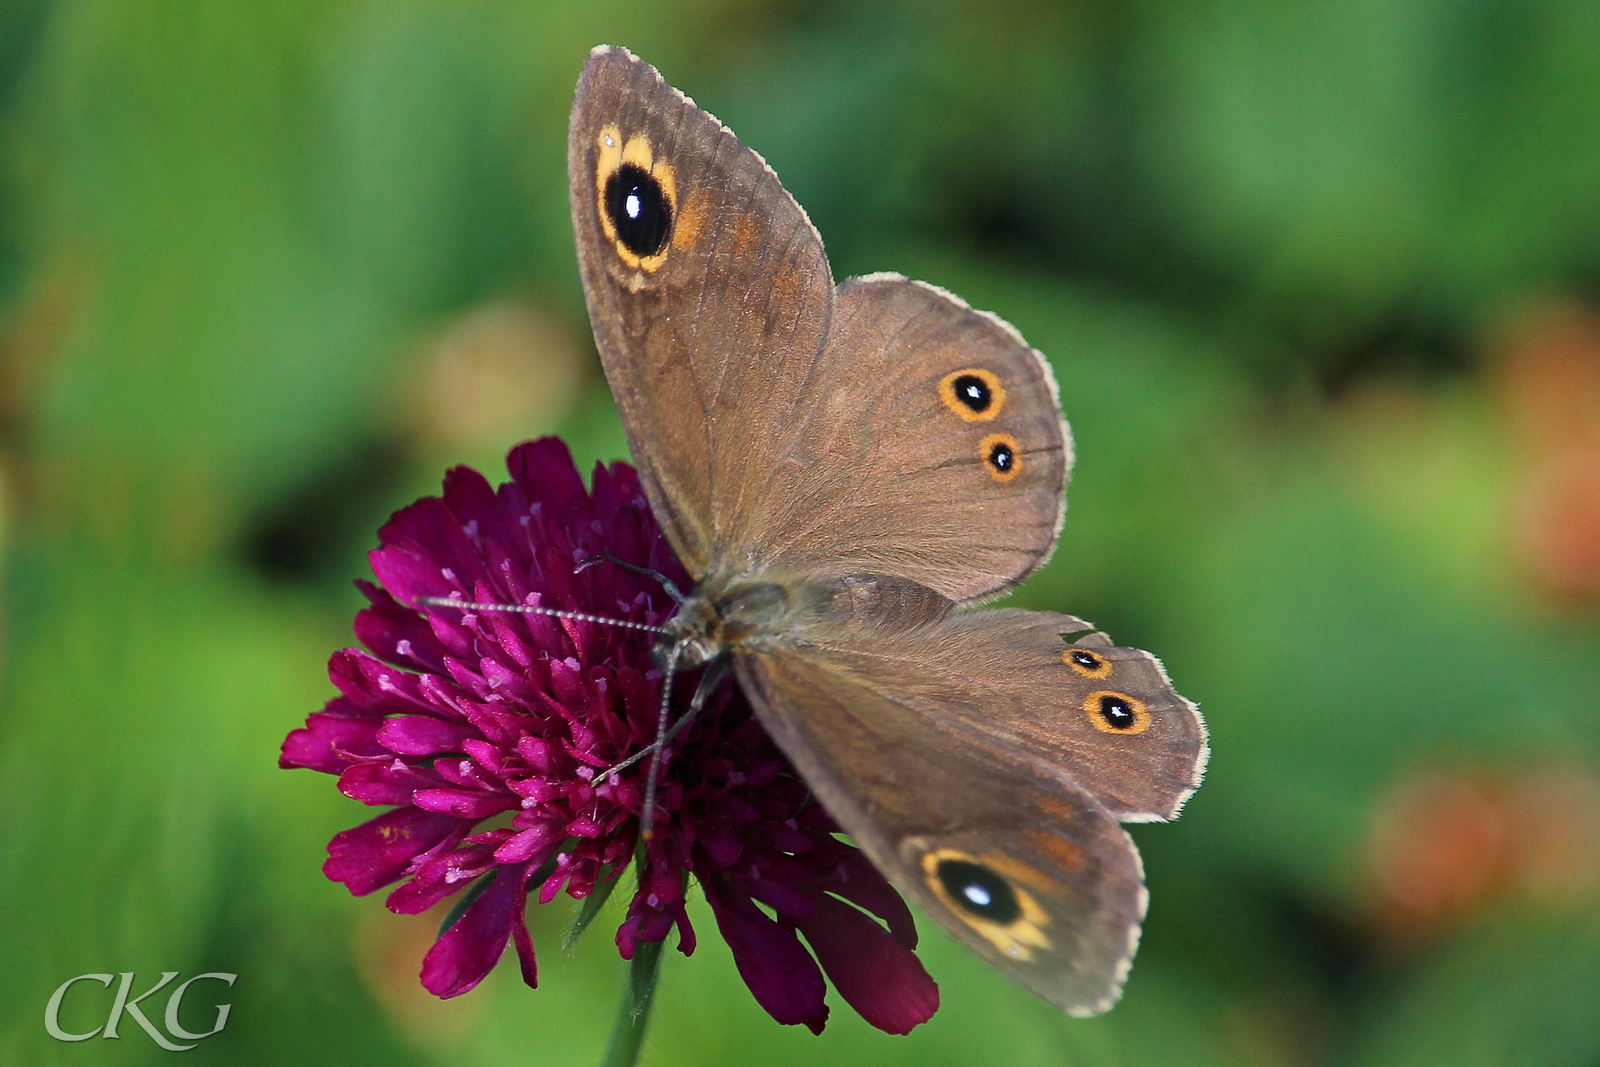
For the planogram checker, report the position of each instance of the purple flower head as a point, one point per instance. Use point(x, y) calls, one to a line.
point(487, 735)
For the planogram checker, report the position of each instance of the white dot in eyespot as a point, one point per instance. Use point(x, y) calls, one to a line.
point(632, 206)
point(977, 895)
point(611, 142)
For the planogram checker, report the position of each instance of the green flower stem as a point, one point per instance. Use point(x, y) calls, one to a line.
point(627, 1036)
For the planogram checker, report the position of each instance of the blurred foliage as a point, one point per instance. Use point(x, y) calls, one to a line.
point(1321, 282)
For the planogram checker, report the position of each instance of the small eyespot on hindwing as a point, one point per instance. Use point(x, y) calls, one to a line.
point(1087, 663)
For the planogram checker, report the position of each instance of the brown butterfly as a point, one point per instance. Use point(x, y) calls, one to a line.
point(846, 471)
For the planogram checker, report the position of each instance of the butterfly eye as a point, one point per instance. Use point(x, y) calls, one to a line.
point(639, 210)
point(1089, 664)
point(1117, 713)
point(1000, 454)
point(974, 394)
point(979, 890)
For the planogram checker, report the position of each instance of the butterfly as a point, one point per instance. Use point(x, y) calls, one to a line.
point(847, 471)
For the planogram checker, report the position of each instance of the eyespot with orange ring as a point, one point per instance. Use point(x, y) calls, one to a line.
point(984, 893)
point(1088, 663)
point(1001, 456)
point(975, 394)
point(653, 190)
point(1116, 713)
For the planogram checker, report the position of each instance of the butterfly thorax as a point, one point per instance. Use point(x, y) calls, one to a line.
point(754, 612)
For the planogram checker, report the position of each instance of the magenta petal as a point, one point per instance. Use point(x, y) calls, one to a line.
point(394, 632)
point(393, 782)
point(791, 902)
point(322, 742)
point(426, 550)
point(463, 803)
point(345, 708)
point(545, 471)
point(468, 951)
point(723, 847)
point(781, 974)
point(370, 856)
point(524, 943)
point(443, 874)
point(861, 883)
point(408, 572)
point(419, 735)
point(875, 974)
point(469, 496)
point(372, 683)
point(687, 941)
point(529, 843)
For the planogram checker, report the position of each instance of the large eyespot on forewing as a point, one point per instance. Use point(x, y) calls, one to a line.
point(636, 197)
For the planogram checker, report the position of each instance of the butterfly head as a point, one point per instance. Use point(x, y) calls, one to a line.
point(722, 615)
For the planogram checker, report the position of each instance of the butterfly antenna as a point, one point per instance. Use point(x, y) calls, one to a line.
point(529, 609)
point(662, 580)
point(650, 780)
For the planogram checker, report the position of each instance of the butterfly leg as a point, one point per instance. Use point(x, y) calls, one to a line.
point(664, 734)
point(714, 674)
point(708, 681)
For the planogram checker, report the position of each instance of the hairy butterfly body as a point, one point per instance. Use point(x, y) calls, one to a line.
point(846, 471)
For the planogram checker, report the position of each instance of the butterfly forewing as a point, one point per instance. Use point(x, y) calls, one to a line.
point(885, 429)
point(929, 446)
point(708, 291)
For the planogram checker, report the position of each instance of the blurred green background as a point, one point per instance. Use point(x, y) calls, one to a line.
point(1321, 283)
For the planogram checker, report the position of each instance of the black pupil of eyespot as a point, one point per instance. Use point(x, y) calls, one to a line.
point(977, 889)
point(1117, 712)
point(639, 210)
point(1001, 457)
point(973, 391)
point(1085, 660)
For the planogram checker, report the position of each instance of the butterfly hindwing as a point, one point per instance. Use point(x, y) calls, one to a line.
point(998, 846)
point(1044, 684)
